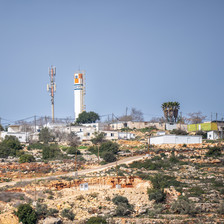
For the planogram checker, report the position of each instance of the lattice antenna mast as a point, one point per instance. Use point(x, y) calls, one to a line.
point(51, 88)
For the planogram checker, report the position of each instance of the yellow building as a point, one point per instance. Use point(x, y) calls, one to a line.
point(210, 126)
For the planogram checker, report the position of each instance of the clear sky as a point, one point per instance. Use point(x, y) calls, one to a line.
point(136, 53)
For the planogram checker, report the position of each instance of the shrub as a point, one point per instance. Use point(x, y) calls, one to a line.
point(178, 132)
point(214, 151)
point(52, 212)
point(196, 191)
point(45, 136)
point(120, 199)
point(160, 181)
point(96, 220)
point(221, 208)
point(109, 146)
point(109, 157)
point(41, 210)
point(51, 152)
point(182, 206)
point(123, 206)
point(37, 145)
point(202, 133)
point(67, 213)
point(156, 194)
point(26, 158)
point(26, 214)
point(73, 150)
point(9, 146)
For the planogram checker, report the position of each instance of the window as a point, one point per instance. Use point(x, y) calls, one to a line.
point(88, 134)
point(111, 134)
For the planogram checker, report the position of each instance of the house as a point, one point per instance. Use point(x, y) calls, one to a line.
point(176, 139)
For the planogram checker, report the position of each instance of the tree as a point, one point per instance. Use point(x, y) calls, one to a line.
point(196, 117)
point(135, 115)
point(51, 152)
point(1, 128)
point(170, 110)
point(12, 142)
point(26, 214)
point(87, 117)
point(99, 138)
point(73, 140)
point(45, 136)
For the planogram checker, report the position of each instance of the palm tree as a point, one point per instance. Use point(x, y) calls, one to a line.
point(165, 110)
point(170, 111)
point(176, 110)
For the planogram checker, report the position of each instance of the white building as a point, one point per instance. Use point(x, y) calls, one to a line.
point(176, 139)
point(213, 135)
point(23, 137)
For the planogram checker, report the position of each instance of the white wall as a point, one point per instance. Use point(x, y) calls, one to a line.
point(176, 139)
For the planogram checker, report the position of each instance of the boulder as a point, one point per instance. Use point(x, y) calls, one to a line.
point(52, 220)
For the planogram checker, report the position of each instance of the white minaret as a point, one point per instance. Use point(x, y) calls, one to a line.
point(79, 92)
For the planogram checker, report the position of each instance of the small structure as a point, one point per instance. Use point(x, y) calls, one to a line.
point(176, 139)
point(213, 135)
point(84, 187)
point(159, 133)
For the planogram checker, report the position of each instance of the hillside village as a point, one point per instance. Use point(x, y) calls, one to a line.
point(121, 172)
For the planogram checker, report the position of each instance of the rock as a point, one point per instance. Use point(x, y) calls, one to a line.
point(52, 220)
point(8, 218)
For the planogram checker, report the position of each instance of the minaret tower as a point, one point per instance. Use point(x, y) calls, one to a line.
point(79, 93)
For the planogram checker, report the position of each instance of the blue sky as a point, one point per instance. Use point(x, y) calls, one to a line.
point(135, 53)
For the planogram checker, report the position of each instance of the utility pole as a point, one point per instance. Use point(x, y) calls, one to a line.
point(51, 88)
point(35, 123)
point(98, 154)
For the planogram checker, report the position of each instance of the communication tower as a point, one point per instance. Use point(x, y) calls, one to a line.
point(51, 88)
point(79, 93)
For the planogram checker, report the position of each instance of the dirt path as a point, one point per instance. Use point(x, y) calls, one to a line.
point(81, 172)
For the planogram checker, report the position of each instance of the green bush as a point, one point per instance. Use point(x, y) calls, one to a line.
point(160, 181)
point(109, 157)
point(96, 220)
point(67, 213)
point(109, 146)
point(26, 214)
point(51, 152)
point(46, 136)
point(182, 206)
point(9, 146)
point(178, 132)
point(123, 206)
point(73, 150)
point(37, 145)
point(214, 151)
point(202, 133)
point(196, 191)
point(26, 158)
point(120, 199)
point(156, 194)
point(41, 210)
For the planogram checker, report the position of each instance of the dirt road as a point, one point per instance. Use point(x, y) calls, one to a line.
point(81, 172)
